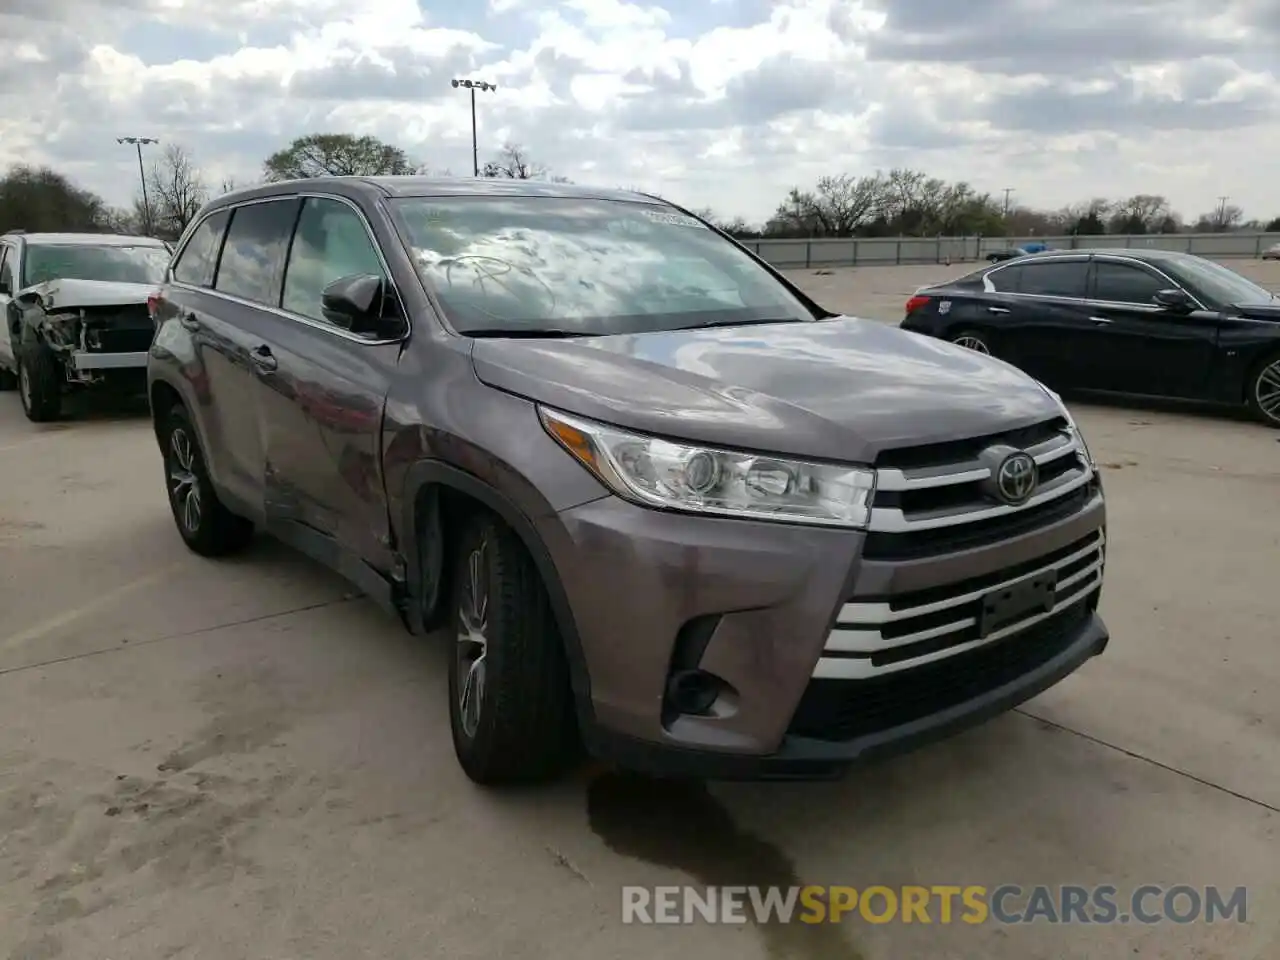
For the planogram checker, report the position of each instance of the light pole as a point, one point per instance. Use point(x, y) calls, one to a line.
point(473, 86)
point(137, 142)
point(1007, 191)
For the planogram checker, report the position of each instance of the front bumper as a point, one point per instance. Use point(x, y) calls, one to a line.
point(808, 758)
point(756, 605)
point(88, 360)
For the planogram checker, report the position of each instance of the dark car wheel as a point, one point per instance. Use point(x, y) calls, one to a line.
point(206, 525)
point(973, 340)
point(1264, 390)
point(510, 701)
point(40, 378)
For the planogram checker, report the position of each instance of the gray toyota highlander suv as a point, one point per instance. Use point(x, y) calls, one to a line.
point(668, 507)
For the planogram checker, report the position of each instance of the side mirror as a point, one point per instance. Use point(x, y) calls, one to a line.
point(1177, 300)
point(354, 303)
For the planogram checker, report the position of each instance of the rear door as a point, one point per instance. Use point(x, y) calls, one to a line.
point(1146, 348)
point(1049, 331)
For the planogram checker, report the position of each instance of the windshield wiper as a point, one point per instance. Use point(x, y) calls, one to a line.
point(546, 333)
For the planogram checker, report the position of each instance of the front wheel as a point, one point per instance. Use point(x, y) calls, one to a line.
point(206, 525)
point(1263, 391)
point(40, 379)
point(510, 700)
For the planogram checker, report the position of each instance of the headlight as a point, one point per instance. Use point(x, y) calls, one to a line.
point(679, 476)
point(1072, 426)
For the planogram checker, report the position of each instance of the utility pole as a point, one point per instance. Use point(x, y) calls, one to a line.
point(137, 142)
point(473, 86)
point(1222, 212)
point(1007, 191)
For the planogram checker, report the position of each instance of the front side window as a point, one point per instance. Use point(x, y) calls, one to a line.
point(584, 266)
point(1220, 285)
point(85, 261)
point(6, 269)
point(331, 243)
point(1125, 283)
point(1061, 278)
point(200, 255)
point(253, 253)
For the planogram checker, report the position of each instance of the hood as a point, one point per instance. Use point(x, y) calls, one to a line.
point(1259, 311)
point(65, 294)
point(838, 389)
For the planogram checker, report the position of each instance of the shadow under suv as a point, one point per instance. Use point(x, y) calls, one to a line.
point(668, 507)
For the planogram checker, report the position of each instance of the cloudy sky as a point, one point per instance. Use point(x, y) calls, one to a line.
point(720, 103)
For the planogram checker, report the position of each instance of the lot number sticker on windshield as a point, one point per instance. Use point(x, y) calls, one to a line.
point(675, 219)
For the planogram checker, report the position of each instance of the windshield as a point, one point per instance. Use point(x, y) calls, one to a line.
point(118, 263)
point(1220, 284)
point(584, 266)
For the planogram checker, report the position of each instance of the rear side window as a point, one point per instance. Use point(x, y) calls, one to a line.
point(6, 268)
point(253, 255)
point(200, 255)
point(1063, 278)
point(1006, 279)
point(1125, 283)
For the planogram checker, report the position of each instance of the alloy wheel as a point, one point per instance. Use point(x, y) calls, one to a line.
point(975, 344)
point(1266, 390)
point(473, 642)
point(184, 485)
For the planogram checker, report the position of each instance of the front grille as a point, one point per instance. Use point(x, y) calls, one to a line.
point(835, 710)
point(874, 637)
point(936, 499)
point(120, 341)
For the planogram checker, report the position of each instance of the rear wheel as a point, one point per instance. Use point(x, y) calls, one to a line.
point(510, 700)
point(206, 525)
point(974, 340)
point(1263, 390)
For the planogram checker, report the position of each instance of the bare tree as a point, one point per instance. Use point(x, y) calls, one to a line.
point(176, 191)
point(514, 163)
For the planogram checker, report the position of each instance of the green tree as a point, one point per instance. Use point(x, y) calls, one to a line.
point(41, 199)
point(337, 155)
point(1274, 226)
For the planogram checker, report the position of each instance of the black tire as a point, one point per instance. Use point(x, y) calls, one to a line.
point(976, 340)
point(8, 380)
point(522, 726)
point(208, 528)
point(40, 380)
point(1262, 390)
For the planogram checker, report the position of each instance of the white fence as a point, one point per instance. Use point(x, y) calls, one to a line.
point(888, 251)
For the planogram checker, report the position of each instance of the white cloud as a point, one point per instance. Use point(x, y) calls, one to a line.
point(724, 104)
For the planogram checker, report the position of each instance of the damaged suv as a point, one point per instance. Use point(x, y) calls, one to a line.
point(76, 314)
point(666, 504)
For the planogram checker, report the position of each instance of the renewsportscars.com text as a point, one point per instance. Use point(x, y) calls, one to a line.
point(940, 904)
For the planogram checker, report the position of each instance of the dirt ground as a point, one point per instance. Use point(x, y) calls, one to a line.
point(242, 759)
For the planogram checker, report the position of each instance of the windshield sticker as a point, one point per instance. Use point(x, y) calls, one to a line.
point(674, 219)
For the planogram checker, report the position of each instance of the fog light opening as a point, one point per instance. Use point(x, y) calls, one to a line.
point(693, 692)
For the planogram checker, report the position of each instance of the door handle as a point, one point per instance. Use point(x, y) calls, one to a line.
point(997, 309)
point(1100, 321)
point(263, 357)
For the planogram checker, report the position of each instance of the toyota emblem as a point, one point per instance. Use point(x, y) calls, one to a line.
point(1016, 478)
